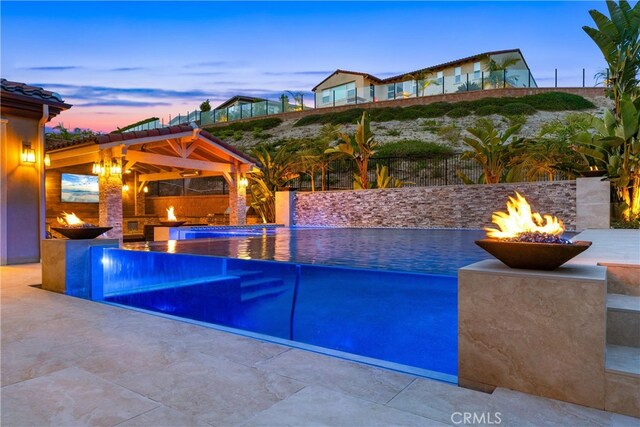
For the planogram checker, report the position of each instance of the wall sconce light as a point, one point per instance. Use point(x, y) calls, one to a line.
point(98, 168)
point(28, 153)
point(125, 187)
point(47, 160)
point(145, 189)
point(105, 168)
point(116, 168)
point(243, 181)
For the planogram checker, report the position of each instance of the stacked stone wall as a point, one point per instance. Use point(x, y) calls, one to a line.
point(455, 206)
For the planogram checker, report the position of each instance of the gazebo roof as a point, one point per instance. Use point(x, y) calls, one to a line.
point(156, 154)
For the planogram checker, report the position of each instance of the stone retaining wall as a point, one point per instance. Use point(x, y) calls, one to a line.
point(454, 206)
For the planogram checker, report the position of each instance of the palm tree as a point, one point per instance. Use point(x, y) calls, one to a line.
point(422, 80)
point(277, 168)
point(616, 146)
point(492, 150)
point(618, 38)
point(497, 72)
point(360, 146)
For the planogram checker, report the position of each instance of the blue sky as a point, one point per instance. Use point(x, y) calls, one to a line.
point(120, 62)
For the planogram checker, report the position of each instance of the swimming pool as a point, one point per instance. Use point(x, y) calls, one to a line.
point(387, 297)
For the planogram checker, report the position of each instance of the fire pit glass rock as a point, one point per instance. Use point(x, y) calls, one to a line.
point(528, 240)
point(74, 228)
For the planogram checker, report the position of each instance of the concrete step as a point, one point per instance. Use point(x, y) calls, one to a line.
point(262, 283)
point(245, 274)
point(623, 278)
point(624, 360)
point(262, 293)
point(623, 320)
point(620, 302)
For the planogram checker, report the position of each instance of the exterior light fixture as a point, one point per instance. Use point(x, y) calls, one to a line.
point(116, 168)
point(28, 153)
point(189, 174)
point(47, 160)
point(98, 168)
point(145, 189)
point(125, 187)
point(243, 181)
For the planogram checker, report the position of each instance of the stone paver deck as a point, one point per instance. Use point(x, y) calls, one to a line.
point(67, 361)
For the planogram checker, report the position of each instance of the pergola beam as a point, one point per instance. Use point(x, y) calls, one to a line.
point(173, 175)
point(177, 162)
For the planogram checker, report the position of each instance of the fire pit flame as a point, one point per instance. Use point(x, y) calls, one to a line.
point(519, 221)
point(71, 220)
point(170, 215)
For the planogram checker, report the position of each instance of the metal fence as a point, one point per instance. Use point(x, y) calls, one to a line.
point(413, 172)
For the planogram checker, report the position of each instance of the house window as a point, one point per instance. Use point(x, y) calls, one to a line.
point(458, 74)
point(391, 91)
point(351, 90)
point(440, 77)
point(476, 70)
point(372, 91)
point(326, 96)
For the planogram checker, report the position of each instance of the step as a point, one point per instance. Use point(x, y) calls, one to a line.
point(262, 293)
point(620, 302)
point(169, 285)
point(262, 283)
point(624, 360)
point(623, 320)
point(245, 274)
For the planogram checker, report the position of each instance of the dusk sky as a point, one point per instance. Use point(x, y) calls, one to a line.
point(120, 62)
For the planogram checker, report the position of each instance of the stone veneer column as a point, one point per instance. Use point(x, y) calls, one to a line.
point(237, 202)
point(140, 198)
point(110, 208)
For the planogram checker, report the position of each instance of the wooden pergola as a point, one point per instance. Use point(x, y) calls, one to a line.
point(159, 154)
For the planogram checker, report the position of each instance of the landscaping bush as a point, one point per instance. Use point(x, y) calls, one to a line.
point(459, 112)
point(450, 133)
point(552, 101)
point(558, 101)
point(487, 110)
point(517, 108)
point(413, 148)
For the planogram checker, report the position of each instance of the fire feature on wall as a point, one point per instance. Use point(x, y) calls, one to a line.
point(73, 227)
point(526, 239)
point(171, 220)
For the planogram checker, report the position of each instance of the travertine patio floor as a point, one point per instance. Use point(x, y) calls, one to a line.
point(67, 361)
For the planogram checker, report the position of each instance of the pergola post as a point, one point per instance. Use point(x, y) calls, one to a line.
point(110, 206)
point(140, 197)
point(237, 201)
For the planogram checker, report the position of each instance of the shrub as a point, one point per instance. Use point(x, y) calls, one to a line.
point(517, 119)
point(517, 108)
point(450, 133)
point(393, 132)
point(487, 110)
point(458, 112)
point(558, 101)
point(237, 135)
point(552, 101)
point(413, 148)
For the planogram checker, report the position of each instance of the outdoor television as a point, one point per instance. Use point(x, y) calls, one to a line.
point(79, 188)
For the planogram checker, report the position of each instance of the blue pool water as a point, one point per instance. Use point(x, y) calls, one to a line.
point(396, 302)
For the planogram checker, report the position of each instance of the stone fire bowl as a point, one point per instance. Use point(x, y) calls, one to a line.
point(172, 223)
point(78, 233)
point(532, 256)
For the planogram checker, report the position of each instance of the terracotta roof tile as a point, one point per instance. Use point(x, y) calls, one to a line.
point(54, 144)
point(31, 91)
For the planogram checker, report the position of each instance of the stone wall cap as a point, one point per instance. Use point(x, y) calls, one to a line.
point(569, 271)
